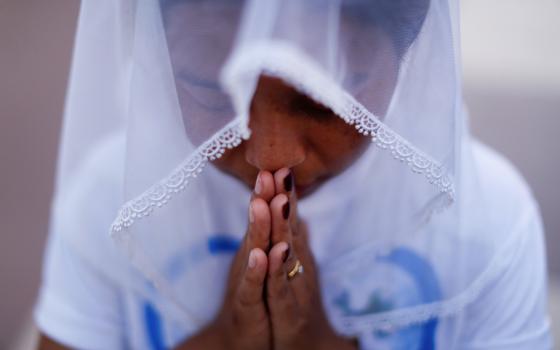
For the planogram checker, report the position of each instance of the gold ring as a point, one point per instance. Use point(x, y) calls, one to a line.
point(298, 268)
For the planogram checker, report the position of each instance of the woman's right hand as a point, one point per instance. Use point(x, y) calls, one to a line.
point(243, 322)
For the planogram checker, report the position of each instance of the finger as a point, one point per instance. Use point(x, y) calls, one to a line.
point(284, 182)
point(264, 186)
point(280, 297)
point(301, 247)
point(258, 234)
point(249, 302)
point(305, 286)
point(280, 211)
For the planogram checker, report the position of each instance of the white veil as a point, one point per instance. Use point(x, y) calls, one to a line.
point(166, 87)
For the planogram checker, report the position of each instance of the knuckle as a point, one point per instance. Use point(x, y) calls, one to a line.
point(237, 320)
point(252, 280)
point(282, 291)
point(301, 325)
point(278, 274)
point(260, 237)
point(244, 299)
point(250, 237)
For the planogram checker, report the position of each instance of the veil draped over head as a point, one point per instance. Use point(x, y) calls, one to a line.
point(165, 88)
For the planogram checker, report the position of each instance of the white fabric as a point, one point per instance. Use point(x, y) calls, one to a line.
point(81, 305)
point(408, 102)
point(159, 89)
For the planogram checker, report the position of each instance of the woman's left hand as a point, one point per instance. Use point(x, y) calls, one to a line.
point(296, 312)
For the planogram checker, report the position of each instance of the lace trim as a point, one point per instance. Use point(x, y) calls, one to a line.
point(342, 103)
point(285, 62)
point(159, 194)
point(420, 163)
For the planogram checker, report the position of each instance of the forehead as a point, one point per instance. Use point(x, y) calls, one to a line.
point(200, 34)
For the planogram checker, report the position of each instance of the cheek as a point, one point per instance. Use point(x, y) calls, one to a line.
point(337, 145)
point(332, 146)
point(233, 162)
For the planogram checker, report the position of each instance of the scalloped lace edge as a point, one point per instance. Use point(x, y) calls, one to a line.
point(162, 192)
point(284, 61)
point(350, 110)
point(230, 136)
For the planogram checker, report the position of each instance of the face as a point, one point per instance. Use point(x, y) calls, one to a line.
point(288, 129)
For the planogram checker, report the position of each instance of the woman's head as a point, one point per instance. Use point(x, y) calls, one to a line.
point(288, 129)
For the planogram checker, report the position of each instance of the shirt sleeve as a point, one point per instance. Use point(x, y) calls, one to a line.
point(78, 306)
point(511, 313)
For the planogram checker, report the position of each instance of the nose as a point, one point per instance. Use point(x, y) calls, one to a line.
point(270, 151)
point(276, 138)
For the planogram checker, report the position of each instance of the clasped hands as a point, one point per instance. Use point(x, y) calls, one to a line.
point(264, 308)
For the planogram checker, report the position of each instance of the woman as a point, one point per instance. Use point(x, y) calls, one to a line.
point(287, 175)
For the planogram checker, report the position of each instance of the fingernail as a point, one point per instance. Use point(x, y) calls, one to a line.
point(286, 210)
point(286, 254)
point(251, 215)
point(252, 260)
point(289, 182)
point(258, 185)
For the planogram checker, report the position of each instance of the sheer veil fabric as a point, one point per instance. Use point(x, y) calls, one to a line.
point(166, 86)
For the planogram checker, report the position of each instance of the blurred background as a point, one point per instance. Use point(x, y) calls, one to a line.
point(511, 58)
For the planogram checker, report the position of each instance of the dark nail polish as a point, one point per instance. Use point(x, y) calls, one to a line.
point(289, 182)
point(286, 254)
point(286, 210)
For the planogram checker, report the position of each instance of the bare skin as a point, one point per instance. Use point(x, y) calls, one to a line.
point(264, 309)
point(290, 130)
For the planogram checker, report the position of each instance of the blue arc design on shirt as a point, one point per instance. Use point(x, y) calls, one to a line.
point(223, 244)
point(419, 269)
point(422, 336)
point(154, 330)
point(217, 244)
point(425, 277)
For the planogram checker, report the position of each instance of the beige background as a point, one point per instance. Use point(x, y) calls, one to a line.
point(35, 43)
point(512, 86)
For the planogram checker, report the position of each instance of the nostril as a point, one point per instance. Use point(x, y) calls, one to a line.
point(276, 139)
point(273, 156)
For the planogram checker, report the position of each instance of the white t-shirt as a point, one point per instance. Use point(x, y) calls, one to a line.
point(83, 307)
